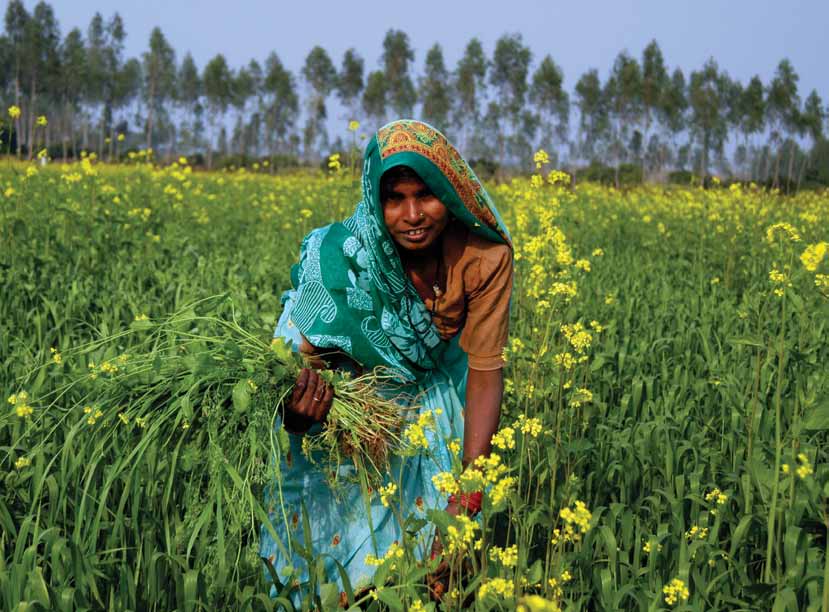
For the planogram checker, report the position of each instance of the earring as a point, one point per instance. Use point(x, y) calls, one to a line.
point(422, 215)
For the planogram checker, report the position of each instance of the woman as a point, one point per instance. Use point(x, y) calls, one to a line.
point(418, 279)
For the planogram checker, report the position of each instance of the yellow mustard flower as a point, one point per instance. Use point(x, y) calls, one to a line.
point(530, 426)
point(675, 592)
point(445, 483)
point(804, 470)
point(500, 587)
point(386, 493)
point(504, 439)
point(813, 255)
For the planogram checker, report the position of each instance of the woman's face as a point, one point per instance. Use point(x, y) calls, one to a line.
point(414, 217)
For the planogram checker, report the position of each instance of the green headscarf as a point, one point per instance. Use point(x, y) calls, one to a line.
point(351, 290)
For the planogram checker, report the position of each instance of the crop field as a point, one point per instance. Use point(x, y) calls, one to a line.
point(663, 437)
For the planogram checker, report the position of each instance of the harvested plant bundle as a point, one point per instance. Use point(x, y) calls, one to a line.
point(201, 361)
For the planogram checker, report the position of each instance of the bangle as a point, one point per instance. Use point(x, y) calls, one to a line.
point(471, 502)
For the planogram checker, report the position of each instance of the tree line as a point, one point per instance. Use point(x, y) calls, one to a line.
point(645, 119)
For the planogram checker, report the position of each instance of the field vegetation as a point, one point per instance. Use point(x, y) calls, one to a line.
point(662, 443)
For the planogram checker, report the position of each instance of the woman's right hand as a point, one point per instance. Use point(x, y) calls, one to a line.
point(310, 401)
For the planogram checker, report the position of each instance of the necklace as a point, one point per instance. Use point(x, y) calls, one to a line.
point(436, 285)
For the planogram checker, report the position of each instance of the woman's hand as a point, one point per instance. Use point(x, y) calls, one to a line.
point(310, 401)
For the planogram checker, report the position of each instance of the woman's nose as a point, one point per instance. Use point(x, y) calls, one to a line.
point(412, 211)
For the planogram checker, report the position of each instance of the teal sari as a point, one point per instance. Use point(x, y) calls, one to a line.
point(350, 293)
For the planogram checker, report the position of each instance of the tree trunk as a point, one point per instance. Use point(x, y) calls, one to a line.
point(101, 134)
point(791, 166)
point(499, 173)
point(802, 169)
point(32, 100)
point(764, 175)
point(776, 180)
point(212, 121)
point(73, 142)
point(171, 152)
point(65, 137)
point(271, 143)
point(747, 161)
point(645, 141)
point(150, 101)
point(243, 140)
point(17, 120)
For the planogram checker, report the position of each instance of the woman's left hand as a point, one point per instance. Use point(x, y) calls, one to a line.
point(312, 396)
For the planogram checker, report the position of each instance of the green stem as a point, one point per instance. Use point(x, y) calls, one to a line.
point(777, 444)
point(754, 392)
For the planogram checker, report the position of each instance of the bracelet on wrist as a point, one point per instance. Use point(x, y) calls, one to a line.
point(471, 502)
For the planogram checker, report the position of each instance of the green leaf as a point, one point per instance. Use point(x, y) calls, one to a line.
point(785, 601)
point(818, 418)
point(232, 351)
point(439, 517)
point(597, 364)
point(747, 341)
point(330, 596)
point(390, 598)
point(412, 524)
point(282, 350)
point(241, 396)
point(37, 587)
point(795, 300)
point(535, 572)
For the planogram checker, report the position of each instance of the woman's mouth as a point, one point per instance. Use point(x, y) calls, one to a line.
point(416, 235)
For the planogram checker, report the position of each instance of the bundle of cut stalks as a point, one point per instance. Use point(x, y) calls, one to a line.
point(202, 359)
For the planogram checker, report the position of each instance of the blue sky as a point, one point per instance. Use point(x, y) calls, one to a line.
point(745, 37)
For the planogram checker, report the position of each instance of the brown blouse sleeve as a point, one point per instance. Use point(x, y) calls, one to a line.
point(485, 332)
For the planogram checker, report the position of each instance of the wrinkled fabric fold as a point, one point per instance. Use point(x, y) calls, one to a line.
point(339, 520)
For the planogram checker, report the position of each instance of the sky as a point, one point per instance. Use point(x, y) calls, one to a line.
point(745, 37)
